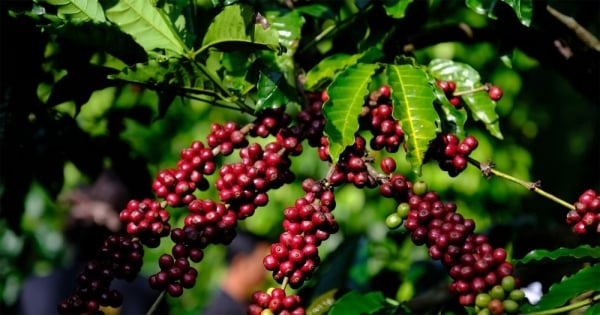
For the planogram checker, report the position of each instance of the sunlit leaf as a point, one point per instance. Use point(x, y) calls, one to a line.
point(316, 10)
point(326, 70)
point(479, 104)
point(523, 8)
point(81, 10)
point(559, 294)
point(146, 25)
point(288, 27)
point(235, 28)
point(413, 107)
point(270, 93)
point(583, 253)
point(357, 303)
point(346, 98)
point(396, 8)
point(102, 37)
point(322, 303)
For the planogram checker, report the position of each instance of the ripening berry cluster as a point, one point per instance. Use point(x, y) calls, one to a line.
point(243, 185)
point(119, 257)
point(503, 298)
point(450, 153)
point(175, 274)
point(352, 166)
point(275, 302)
point(311, 119)
point(473, 264)
point(226, 137)
point(207, 223)
point(586, 216)
point(177, 186)
point(385, 129)
point(147, 220)
point(448, 87)
point(306, 225)
point(269, 122)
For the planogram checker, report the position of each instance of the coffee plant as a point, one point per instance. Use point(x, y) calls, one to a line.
point(304, 109)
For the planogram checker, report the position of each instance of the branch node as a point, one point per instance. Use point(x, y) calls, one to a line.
point(487, 168)
point(534, 185)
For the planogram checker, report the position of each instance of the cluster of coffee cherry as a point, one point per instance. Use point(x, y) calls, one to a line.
point(175, 273)
point(503, 298)
point(146, 220)
point(473, 264)
point(306, 224)
point(586, 216)
point(449, 88)
point(378, 118)
point(120, 257)
point(242, 187)
point(275, 302)
point(177, 185)
point(450, 153)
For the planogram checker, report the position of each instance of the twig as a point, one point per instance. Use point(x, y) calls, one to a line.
point(584, 35)
point(156, 302)
point(487, 169)
point(567, 308)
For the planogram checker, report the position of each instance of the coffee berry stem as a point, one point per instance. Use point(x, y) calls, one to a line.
point(487, 169)
point(159, 298)
point(284, 283)
point(566, 308)
point(484, 87)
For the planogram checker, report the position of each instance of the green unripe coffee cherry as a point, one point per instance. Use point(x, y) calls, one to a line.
point(484, 311)
point(510, 306)
point(497, 292)
point(420, 188)
point(508, 283)
point(403, 209)
point(516, 295)
point(393, 221)
point(482, 300)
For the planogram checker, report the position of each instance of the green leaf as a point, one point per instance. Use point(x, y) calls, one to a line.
point(452, 120)
point(322, 303)
point(355, 303)
point(150, 73)
point(181, 74)
point(316, 10)
point(81, 10)
point(235, 28)
point(584, 280)
point(413, 107)
point(102, 37)
point(270, 93)
point(583, 253)
point(346, 98)
point(481, 107)
point(326, 70)
point(70, 88)
point(396, 8)
point(146, 25)
point(288, 27)
point(593, 309)
point(523, 8)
